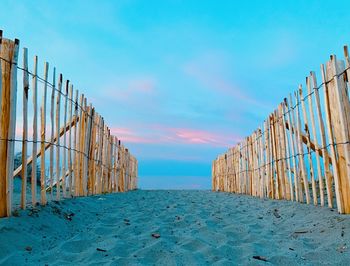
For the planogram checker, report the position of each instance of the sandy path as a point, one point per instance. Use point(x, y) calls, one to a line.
point(195, 228)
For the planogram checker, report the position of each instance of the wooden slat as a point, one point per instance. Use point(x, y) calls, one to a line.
point(339, 199)
point(112, 163)
point(99, 156)
point(301, 151)
point(121, 169)
point(80, 154)
point(76, 145)
point(8, 100)
point(267, 159)
point(70, 113)
point(104, 160)
point(1, 68)
point(52, 140)
point(58, 148)
point(12, 126)
point(88, 133)
point(25, 128)
point(322, 134)
point(43, 138)
point(314, 136)
point(261, 164)
point(64, 150)
point(297, 187)
point(35, 130)
point(288, 152)
point(83, 147)
point(271, 164)
point(110, 154)
point(103, 157)
point(339, 100)
point(347, 62)
point(246, 167)
point(282, 147)
point(307, 132)
point(92, 157)
point(243, 169)
point(276, 174)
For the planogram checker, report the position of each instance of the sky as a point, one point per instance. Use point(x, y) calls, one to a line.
point(180, 82)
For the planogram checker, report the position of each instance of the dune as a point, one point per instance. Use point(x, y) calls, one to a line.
point(175, 227)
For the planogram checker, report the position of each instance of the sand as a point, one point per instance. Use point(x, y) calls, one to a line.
point(175, 228)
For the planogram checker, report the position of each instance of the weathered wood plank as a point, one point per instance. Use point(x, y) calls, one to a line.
point(313, 135)
point(70, 114)
point(64, 150)
point(35, 130)
point(8, 100)
point(301, 151)
point(52, 140)
point(326, 160)
point(25, 128)
point(58, 113)
point(306, 128)
point(43, 138)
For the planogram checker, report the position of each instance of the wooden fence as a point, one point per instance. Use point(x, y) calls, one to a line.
point(74, 150)
point(302, 151)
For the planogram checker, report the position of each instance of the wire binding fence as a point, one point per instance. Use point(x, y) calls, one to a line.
point(78, 155)
point(294, 156)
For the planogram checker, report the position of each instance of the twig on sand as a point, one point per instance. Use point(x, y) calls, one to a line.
point(155, 235)
point(101, 249)
point(260, 258)
point(301, 232)
point(275, 212)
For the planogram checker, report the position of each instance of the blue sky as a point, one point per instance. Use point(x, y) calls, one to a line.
point(181, 81)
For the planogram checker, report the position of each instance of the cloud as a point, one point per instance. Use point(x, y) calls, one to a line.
point(195, 136)
point(161, 134)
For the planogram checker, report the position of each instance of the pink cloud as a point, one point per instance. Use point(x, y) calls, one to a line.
point(195, 136)
point(170, 135)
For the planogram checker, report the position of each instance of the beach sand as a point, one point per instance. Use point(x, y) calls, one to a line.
point(175, 228)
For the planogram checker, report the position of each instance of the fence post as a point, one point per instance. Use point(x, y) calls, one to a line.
point(300, 149)
point(8, 90)
point(308, 141)
point(25, 128)
point(58, 112)
point(52, 117)
point(70, 113)
point(35, 130)
point(43, 137)
point(340, 106)
point(64, 162)
point(314, 136)
point(322, 134)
